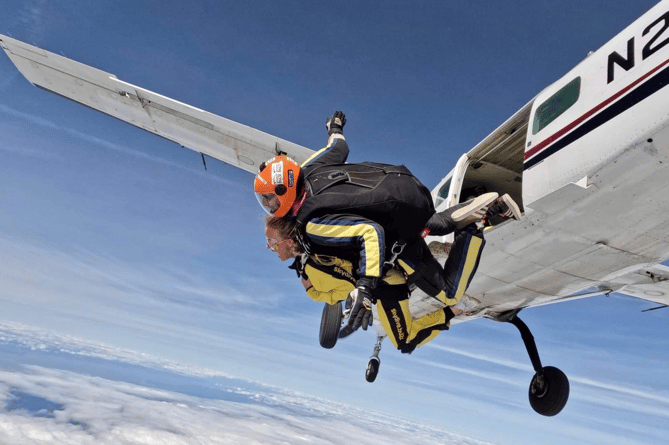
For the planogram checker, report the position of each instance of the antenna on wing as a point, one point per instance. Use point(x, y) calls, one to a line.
point(204, 162)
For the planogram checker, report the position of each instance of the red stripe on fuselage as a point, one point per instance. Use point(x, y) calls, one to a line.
point(546, 142)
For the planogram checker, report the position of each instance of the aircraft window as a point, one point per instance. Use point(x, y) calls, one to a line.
point(560, 102)
point(442, 194)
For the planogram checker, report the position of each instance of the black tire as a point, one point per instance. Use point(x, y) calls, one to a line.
point(330, 324)
point(554, 396)
point(372, 369)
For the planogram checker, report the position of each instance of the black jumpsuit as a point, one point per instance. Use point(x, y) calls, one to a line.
point(359, 211)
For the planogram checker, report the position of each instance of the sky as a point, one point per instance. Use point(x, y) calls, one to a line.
point(121, 253)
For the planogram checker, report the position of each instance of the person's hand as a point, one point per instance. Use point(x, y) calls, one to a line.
point(306, 282)
point(346, 331)
point(335, 124)
point(360, 303)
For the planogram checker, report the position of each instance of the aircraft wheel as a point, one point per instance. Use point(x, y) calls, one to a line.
point(330, 324)
point(549, 393)
point(372, 369)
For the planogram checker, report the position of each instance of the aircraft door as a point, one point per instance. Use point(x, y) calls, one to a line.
point(448, 192)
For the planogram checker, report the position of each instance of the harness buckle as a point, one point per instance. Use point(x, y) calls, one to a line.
point(396, 251)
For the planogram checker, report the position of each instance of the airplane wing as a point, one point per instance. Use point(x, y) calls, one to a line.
point(235, 144)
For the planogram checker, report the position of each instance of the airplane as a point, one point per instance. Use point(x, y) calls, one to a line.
point(587, 159)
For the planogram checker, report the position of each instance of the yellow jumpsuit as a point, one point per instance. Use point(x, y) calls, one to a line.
point(332, 280)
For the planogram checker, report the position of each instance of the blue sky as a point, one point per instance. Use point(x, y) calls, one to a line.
point(116, 236)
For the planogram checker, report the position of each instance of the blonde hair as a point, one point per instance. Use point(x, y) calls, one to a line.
point(286, 227)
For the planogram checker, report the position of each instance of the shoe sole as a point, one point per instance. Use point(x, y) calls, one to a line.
point(477, 204)
point(514, 210)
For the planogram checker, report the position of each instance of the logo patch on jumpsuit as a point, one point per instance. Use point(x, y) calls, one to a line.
point(398, 324)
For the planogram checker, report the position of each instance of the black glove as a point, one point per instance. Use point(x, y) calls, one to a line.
point(335, 124)
point(360, 302)
point(346, 331)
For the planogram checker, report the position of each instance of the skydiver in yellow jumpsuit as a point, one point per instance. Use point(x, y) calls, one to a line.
point(330, 280)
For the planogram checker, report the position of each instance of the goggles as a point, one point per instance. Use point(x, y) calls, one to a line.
point(274, 244)
point(269, 202)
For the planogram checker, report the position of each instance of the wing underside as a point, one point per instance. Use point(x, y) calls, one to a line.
point(198, 130)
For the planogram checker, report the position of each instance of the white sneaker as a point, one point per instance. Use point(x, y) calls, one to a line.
point(473, 210)
point(506, 207)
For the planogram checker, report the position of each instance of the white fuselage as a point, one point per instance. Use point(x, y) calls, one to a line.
point(595, 180)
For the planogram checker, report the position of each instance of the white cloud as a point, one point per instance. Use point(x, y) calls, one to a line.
point(35, 271)
point(601, 393)
point(135, 305)
point(483, 357)
point(46, 405)
point(42, 340)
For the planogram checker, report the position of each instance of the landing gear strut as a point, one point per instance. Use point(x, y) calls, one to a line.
point(549, 388)
point(374, 361)
point(331, 322)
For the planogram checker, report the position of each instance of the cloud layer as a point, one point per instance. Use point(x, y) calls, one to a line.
point(42, 404)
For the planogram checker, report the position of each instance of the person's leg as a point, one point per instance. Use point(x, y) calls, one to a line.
point(447, 283)
point(461, 264)
point(460, 215)
point(425, 328)
point(396, 320)
point(405, 333)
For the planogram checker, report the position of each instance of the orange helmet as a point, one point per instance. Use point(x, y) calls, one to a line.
point(276, 185)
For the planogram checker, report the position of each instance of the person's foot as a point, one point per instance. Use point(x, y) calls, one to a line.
point(473, 210)
point(506, 207)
